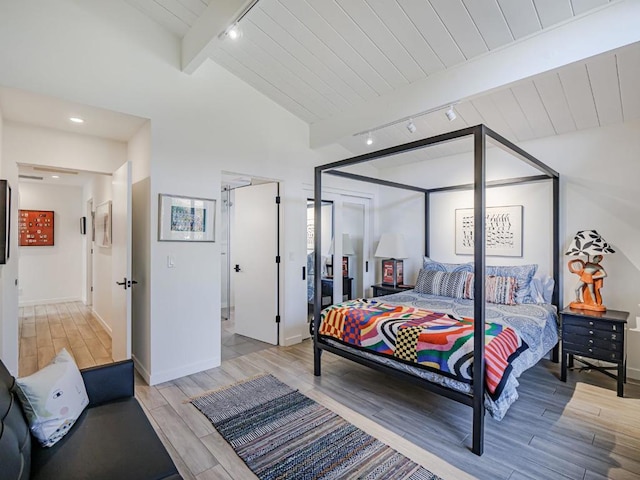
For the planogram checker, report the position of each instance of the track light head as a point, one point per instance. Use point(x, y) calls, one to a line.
point(451, 114)
point(369, 140)
point(411, 127)
point(234, 32)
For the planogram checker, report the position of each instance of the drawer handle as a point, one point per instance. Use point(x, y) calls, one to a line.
point(591, 350)
point(590, 341)
point(590, 332)
point(591, 324)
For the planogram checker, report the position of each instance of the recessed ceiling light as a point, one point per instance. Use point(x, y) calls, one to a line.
point(55, 176)
point(76, 119)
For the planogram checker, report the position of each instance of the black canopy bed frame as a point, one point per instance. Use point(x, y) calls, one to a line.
point(475, 399)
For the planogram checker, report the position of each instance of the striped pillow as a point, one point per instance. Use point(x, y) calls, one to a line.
point(497, 289)
point(444, 284)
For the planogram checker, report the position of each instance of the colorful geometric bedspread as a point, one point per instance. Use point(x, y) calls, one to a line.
point(436, 341)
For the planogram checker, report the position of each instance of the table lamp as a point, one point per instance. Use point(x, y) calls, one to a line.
point(391, 248)
point(590, 273)
point(347, 250)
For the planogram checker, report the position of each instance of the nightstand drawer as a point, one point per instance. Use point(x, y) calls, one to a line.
point(581, 329)
point(592, 352)
point(593, 324)
point(613, 345)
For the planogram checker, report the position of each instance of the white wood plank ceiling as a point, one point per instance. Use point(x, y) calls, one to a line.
point(317, 58)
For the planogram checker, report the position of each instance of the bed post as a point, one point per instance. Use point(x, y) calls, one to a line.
point(555, 299)
point(317, 267)
point(479, 163)
point(426, 224)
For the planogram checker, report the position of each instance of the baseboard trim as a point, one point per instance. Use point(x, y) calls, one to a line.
point(144, 373)
point(292, 340)
point(633, 373)
point(102, 322)
point(183, 371)
point(31, 303)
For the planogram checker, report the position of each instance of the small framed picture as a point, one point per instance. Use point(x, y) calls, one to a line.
point(186, 219)
point(345, 266)
point(103, 225)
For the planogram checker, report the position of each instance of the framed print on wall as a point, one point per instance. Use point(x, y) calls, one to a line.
point(36, 228)
point(103, 225)
point(503, 231)
point(186, 219)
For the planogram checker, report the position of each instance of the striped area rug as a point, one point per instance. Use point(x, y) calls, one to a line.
point(282, 434)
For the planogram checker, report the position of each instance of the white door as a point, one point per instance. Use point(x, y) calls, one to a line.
point(121, 263)
point(254, 247)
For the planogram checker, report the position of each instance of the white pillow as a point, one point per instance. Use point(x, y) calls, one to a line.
point(53, 398)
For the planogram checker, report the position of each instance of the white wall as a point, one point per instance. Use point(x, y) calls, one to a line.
point(42, 146)
point(50, 274)
point(200, 125)
point(99, 189)
point(9, 271)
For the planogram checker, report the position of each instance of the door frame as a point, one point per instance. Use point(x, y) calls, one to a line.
point(339, 196)
point(89, 253)
point(280, 290)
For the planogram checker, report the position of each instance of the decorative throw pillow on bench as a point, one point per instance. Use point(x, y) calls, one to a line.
point(53, 398)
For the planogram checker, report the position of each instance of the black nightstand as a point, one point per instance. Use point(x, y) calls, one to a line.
point(596, 335)
point(381, 289)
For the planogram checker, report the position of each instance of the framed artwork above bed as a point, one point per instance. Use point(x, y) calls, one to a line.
point(503, 231)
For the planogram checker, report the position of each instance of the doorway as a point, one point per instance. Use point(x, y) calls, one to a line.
point(250, 263)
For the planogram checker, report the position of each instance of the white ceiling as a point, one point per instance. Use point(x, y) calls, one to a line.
point(48, 112)
point(323, 58)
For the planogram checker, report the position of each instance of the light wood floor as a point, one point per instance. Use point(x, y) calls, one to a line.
point(577, 430)
point(46, 329)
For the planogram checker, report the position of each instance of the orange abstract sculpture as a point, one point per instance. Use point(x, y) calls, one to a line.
point(591, 274)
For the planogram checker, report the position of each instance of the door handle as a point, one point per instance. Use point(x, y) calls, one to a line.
point(237, 268)
point(123, 283)
point(304, 273)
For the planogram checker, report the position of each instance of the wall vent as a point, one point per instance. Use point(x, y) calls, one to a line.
point(31, 177)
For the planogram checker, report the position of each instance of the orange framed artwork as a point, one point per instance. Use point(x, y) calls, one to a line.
point(35, 228)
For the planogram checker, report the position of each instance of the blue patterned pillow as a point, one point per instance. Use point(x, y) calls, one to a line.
point(523, 275)
point(444, 284)
point(429, 264)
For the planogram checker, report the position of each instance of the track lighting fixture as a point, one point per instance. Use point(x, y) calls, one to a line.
point(451, 114)
point(410, 126)
point(369, 139)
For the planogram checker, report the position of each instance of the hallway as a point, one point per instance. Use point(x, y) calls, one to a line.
point(45, 329)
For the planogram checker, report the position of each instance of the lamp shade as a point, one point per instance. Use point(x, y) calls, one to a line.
point(588, 242)
point(391, 246)
point(347, 245)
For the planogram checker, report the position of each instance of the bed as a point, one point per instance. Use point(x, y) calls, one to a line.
point(535, 324)
point(525, 324)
